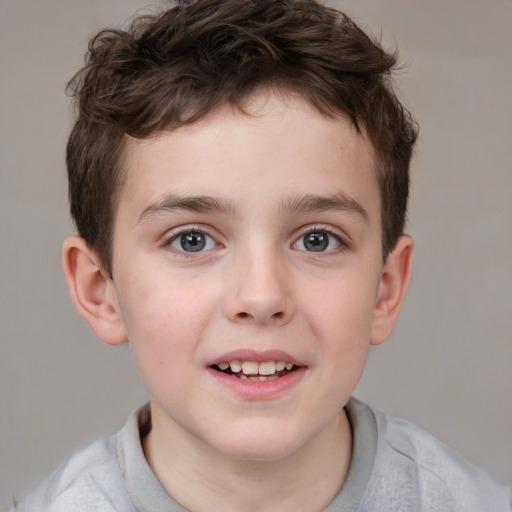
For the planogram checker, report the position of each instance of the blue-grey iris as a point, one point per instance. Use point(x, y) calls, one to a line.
point(317, 241)
point(193, 241)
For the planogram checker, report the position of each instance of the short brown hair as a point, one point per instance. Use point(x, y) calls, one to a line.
point(170, 69)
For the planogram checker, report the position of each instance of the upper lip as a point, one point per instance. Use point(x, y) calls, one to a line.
point(257, 356)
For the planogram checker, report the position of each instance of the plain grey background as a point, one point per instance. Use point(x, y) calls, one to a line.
point(447, 365)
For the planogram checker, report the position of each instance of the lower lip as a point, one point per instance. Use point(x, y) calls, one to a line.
point(256, 389)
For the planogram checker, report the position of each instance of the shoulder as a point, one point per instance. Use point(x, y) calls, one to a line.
point(427, 474)
point(90, 481)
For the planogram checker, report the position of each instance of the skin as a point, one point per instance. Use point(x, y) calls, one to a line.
point(270, 178)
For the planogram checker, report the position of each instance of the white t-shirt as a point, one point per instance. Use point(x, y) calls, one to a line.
point(395, 467)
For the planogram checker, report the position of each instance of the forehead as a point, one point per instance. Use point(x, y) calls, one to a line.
point(274, 142)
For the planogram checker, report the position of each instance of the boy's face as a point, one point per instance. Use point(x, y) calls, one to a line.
point(254, 239)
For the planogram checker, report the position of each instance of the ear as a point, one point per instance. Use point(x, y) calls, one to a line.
point(394, 282)
point(92, 291)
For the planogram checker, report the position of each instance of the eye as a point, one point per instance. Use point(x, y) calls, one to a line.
point(317, 241)
point(192, 241)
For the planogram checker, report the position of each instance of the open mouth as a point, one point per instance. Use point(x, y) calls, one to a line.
point(255, 371)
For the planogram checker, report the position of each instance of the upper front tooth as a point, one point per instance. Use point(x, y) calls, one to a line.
point(280, 366)
point(255, 368)
point(250, 367)
point(236, 366)
point(267, 368)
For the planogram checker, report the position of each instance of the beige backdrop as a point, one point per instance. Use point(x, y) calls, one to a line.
point(447, 366)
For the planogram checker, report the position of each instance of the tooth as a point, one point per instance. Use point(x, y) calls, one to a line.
point(280, 366)
point(289, 366)
point(236, 366)
point(243, 377)
point(266, 377)
point(223, 366)
point(249, 368)
point(267, 368)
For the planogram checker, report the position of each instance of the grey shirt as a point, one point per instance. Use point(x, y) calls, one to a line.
point(395, 467)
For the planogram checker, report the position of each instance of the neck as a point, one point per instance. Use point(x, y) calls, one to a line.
point(202, 479)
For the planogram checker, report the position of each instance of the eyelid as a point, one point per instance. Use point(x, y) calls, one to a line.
point(341, 238)
point(172, 235)
point(209, 242)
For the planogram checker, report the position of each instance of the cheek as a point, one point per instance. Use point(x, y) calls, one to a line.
point(341, 316)
point(153, 304)
point(343, 334)
point(162, 336)
point(164, 323)
point(344, 310)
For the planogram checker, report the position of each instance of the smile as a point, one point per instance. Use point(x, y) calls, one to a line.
point(255, 371)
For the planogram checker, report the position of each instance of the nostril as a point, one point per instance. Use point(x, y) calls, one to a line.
point(278, 316)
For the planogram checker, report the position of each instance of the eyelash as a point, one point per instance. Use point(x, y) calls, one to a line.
point(343, 244)
point(175, 236)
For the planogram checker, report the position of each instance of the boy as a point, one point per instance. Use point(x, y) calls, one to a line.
point(239, 179)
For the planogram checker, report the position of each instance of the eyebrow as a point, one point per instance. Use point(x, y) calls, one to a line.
point(296, 204)
point(336, 202)
point(198, 204)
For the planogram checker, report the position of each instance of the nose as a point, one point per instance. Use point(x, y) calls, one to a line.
point(259, 291)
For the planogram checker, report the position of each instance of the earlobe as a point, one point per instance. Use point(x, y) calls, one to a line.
point(393, 286)
point(92, 290)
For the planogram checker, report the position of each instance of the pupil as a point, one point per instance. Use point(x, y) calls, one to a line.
point(316, 242)
point(193, 242)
